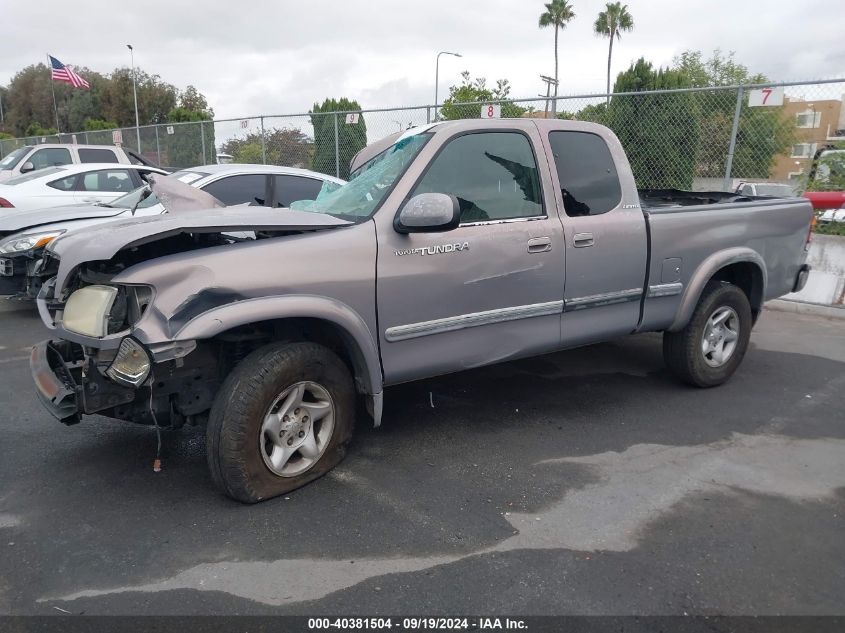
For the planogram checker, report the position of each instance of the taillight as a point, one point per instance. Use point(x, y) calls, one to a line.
point(813, 223)
point(6, 204)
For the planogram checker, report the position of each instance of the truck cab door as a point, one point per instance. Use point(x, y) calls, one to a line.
point(606, 236)
point(490, 289)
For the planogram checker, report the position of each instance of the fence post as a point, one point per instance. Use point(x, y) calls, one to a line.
point(428, 114)
point(158, 149)
point(726, 184)
point(86, 138)
point(202, 136)
point(263, 144)
point(336, 150)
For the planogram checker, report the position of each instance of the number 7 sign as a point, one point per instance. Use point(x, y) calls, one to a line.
point(765, 97)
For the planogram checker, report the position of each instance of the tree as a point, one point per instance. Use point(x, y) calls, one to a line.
point(660, 133)
point(92, 125)
point(351, 137)
point(558, 14)
point(475, 91)
point(611, 23)
point(830, 170)
point(192, 143)
point(192, 99)
point(762, 133)
point(29, 98)
point(283, 146)
point(36, 129)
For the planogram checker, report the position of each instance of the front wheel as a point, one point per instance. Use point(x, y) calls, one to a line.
point(710, 348)
point(282, 418)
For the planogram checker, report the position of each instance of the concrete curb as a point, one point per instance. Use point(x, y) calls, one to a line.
point(802, 307)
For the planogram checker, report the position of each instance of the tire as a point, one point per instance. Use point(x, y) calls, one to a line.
point(242, 441)
point(699, 362)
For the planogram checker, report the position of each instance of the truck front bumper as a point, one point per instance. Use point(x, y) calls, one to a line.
point(56, 384)
point(68, 384)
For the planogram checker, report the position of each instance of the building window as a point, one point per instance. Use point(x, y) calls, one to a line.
point(808, 119)
point(803, 150)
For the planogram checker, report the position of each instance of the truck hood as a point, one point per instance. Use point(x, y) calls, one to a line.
point(101, 243)
point(12, 221)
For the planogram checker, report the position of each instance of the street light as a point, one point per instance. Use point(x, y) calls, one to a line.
point(437, 76)
point(135, 95)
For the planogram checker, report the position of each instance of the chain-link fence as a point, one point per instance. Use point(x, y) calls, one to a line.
point(703, 138)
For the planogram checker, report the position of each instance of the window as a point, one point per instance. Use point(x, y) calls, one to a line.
point(803, 150)
point(809, 118)
point(110, 180)
point(492, 174)
point(89, 155)
point(588, 179)
point(50, 157)
point(290, 188)
point(14, 158)
point(34, 175)
point(249, 188)
point(64, 184)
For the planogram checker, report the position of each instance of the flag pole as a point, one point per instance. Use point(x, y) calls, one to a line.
point(53, 89)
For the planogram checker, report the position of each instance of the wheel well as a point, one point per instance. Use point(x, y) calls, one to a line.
point(241, 340)
point(748, 277)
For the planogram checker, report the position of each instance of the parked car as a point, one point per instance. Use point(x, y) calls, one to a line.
point(34, 157)
point(832, 216)
point(771, 189)
point(469, 243)
point(71, 184)
point(23, 235)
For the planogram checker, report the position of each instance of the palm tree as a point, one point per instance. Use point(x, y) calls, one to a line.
point(558, 14)
point(610, 23)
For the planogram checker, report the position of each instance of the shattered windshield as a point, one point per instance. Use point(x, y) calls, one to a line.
point(359, 197)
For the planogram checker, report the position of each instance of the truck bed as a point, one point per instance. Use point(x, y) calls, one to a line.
point(674, 198)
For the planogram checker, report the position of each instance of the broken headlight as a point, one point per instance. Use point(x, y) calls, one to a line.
point(87, 310)
point(131, 365)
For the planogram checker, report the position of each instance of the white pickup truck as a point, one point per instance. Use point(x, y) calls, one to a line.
point(33, 157)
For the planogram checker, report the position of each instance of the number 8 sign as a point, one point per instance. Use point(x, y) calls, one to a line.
point(491, 111)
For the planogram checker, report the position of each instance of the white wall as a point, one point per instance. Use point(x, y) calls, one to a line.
point(826, 284)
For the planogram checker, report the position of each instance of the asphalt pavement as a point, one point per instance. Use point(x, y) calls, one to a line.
point(583, 482)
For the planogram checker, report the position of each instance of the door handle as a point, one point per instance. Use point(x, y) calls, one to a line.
point(539, 244)
point(580, 240)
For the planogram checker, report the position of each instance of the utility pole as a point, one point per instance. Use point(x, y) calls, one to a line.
point(549, 81)
point(135, 95)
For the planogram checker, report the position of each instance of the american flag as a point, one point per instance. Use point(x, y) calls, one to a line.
point(66, 74)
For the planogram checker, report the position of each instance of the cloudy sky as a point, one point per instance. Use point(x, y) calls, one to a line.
point(265, 56)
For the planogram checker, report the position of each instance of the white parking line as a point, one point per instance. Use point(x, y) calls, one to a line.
point(14, 359)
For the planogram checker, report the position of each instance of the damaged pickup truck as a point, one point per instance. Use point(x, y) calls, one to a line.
point(459, 245)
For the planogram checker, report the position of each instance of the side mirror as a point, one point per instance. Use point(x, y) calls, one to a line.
point(429, 213)
point(27, 167)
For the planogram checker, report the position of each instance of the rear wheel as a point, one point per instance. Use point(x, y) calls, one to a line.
point(710, 348)
point(282, 418)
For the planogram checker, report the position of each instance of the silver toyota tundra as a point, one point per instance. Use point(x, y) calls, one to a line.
point(455, 245)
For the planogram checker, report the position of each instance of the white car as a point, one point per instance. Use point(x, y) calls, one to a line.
point(832, 215)
point(71, 184)
point(23, 235)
